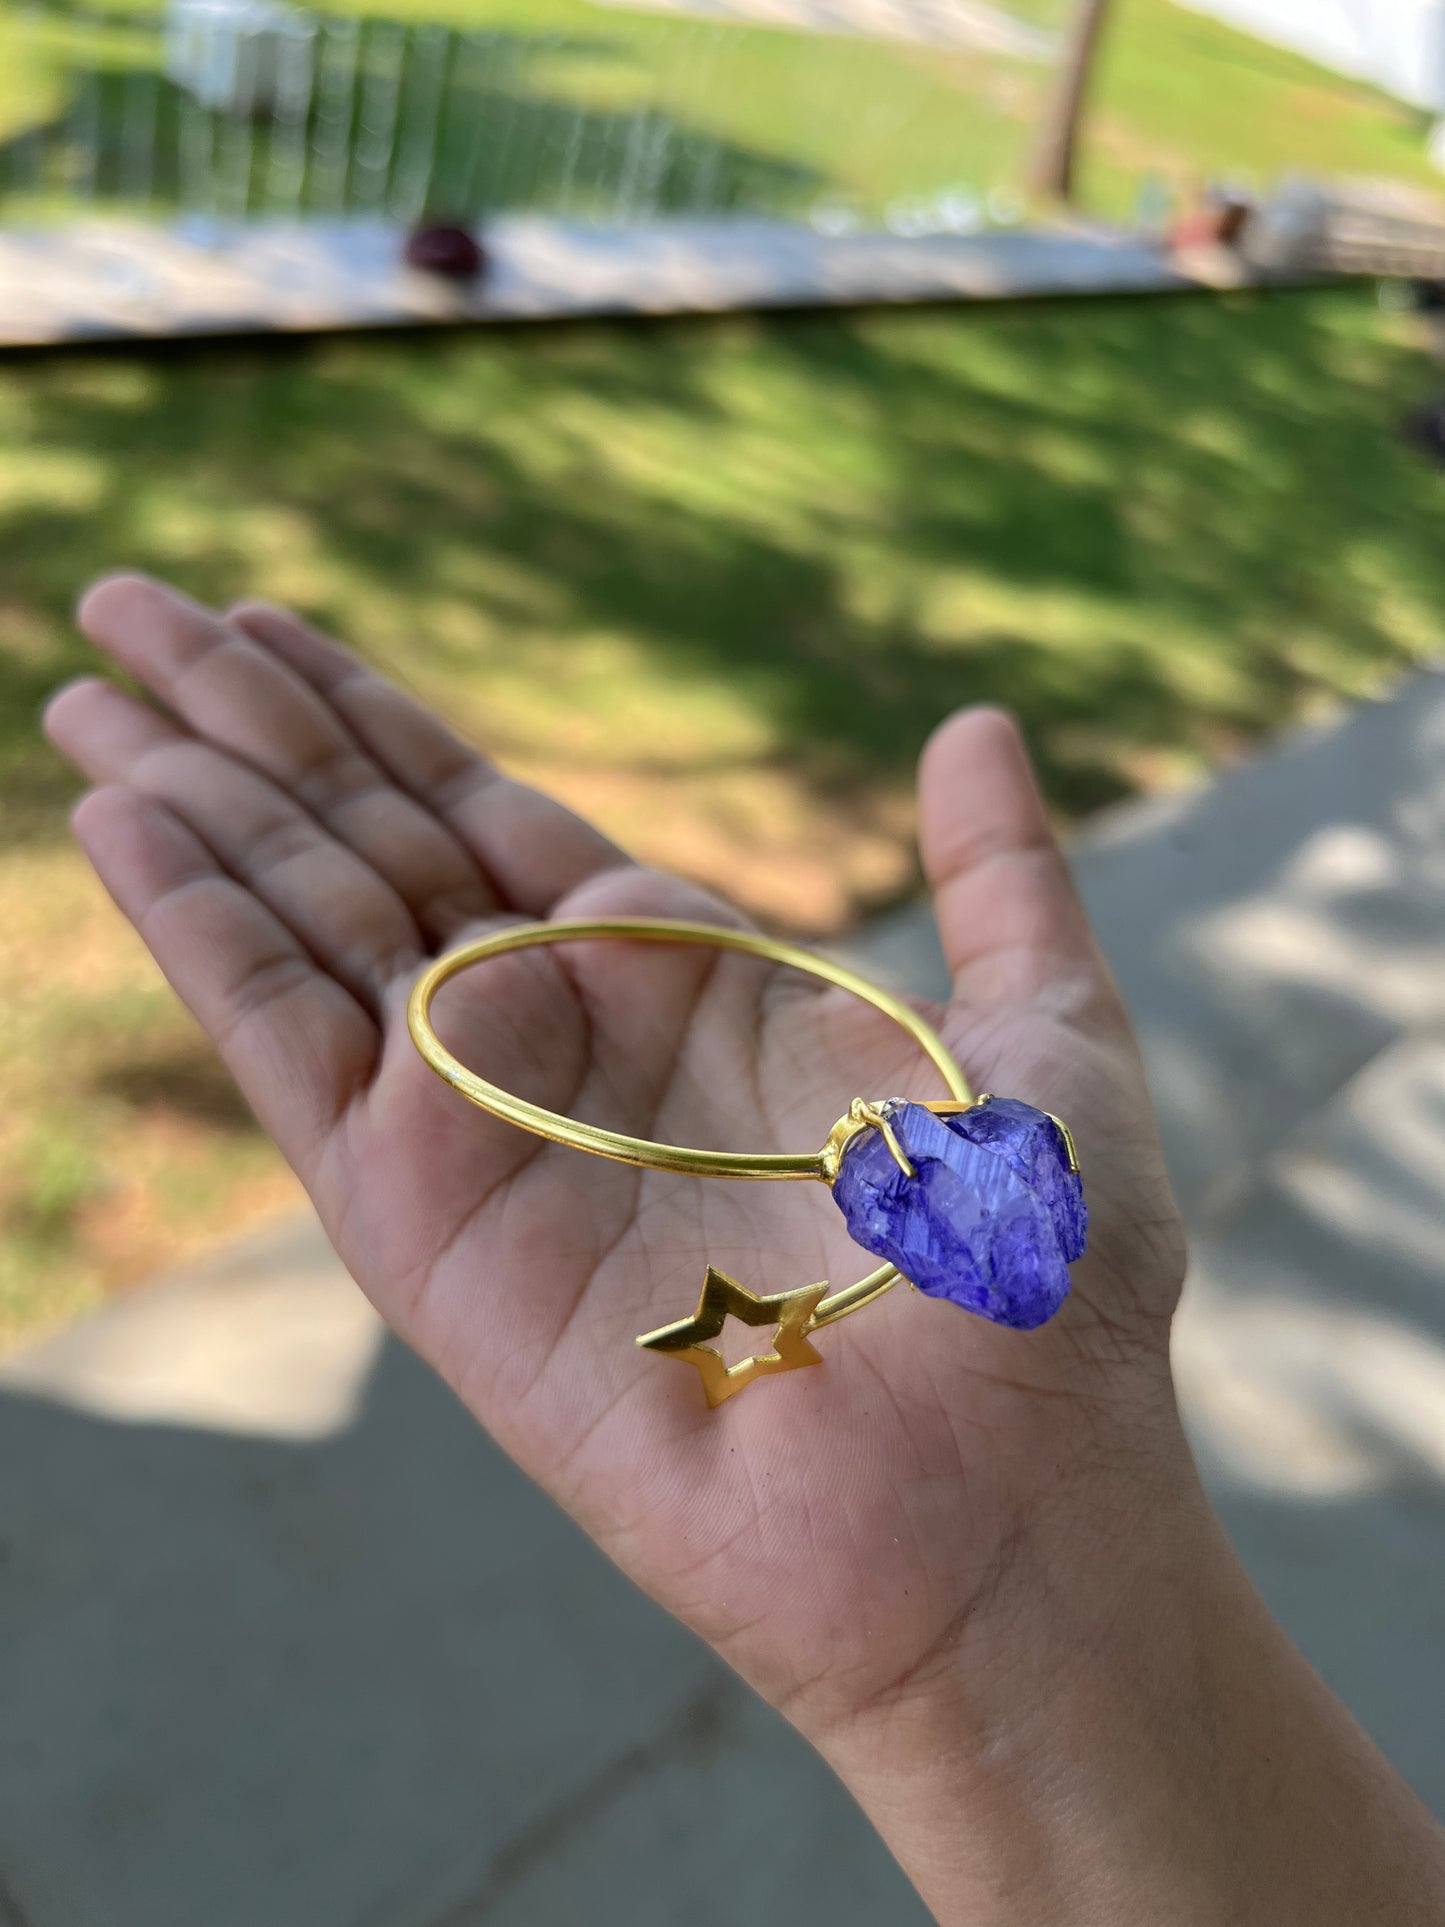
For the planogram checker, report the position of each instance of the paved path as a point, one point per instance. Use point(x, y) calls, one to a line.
point(283, 1640)
point(109, 279)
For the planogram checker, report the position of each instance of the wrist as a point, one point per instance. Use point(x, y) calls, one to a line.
point(1131, 1738)
point(997, 1769)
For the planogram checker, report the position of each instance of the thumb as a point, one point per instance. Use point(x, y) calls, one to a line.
point(1012, 926)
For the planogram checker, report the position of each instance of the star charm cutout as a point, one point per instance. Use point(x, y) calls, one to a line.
point(722, 1298)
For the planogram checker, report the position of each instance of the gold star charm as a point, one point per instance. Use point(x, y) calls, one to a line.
point(721, 1298)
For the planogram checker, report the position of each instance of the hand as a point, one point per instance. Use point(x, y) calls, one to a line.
point(920, 1549)
point(292, 837)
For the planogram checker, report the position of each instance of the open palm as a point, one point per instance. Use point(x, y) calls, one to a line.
point(293, 837)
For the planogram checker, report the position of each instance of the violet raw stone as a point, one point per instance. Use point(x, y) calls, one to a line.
point(993, 1217)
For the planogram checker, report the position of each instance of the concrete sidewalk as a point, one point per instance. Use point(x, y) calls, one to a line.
point(284, 1641)
point(115, 279)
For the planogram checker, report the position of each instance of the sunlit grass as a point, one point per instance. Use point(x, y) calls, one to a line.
point(776, 121)
point(713, 583)
point(1184, 98)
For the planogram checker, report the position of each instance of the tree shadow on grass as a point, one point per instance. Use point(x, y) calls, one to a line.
point(728, 576)
point(190, 1084)
point(486, 123)
point(1151, 529)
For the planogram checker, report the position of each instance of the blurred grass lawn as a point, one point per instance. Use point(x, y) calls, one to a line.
point(713, 583)
point(801, 118)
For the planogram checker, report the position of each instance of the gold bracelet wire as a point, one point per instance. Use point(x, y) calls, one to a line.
point(821, 1164)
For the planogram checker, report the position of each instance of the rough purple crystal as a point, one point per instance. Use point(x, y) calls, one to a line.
point(991, 1220)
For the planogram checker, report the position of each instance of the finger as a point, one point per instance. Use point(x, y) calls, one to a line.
point(296, 1041)
point(1012, 925)
point(534, 850)
point(245, 700)
point(348, 917)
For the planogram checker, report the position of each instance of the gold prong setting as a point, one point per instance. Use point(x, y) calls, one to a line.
point(864, 1114)
point(1067, 1135)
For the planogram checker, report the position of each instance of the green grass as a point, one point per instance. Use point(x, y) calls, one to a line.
point(1182, 96)
point(561, 100)
point(714, 583)
point(564, 105)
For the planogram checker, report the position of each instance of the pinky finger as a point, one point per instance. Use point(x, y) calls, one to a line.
point(296, 1041)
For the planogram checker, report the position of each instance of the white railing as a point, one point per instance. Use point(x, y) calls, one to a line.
point(226, 109)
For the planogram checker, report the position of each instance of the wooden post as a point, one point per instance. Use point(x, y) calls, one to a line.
point(1051, 170)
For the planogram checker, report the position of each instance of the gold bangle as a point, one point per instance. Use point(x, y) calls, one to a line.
point(795, 1314)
